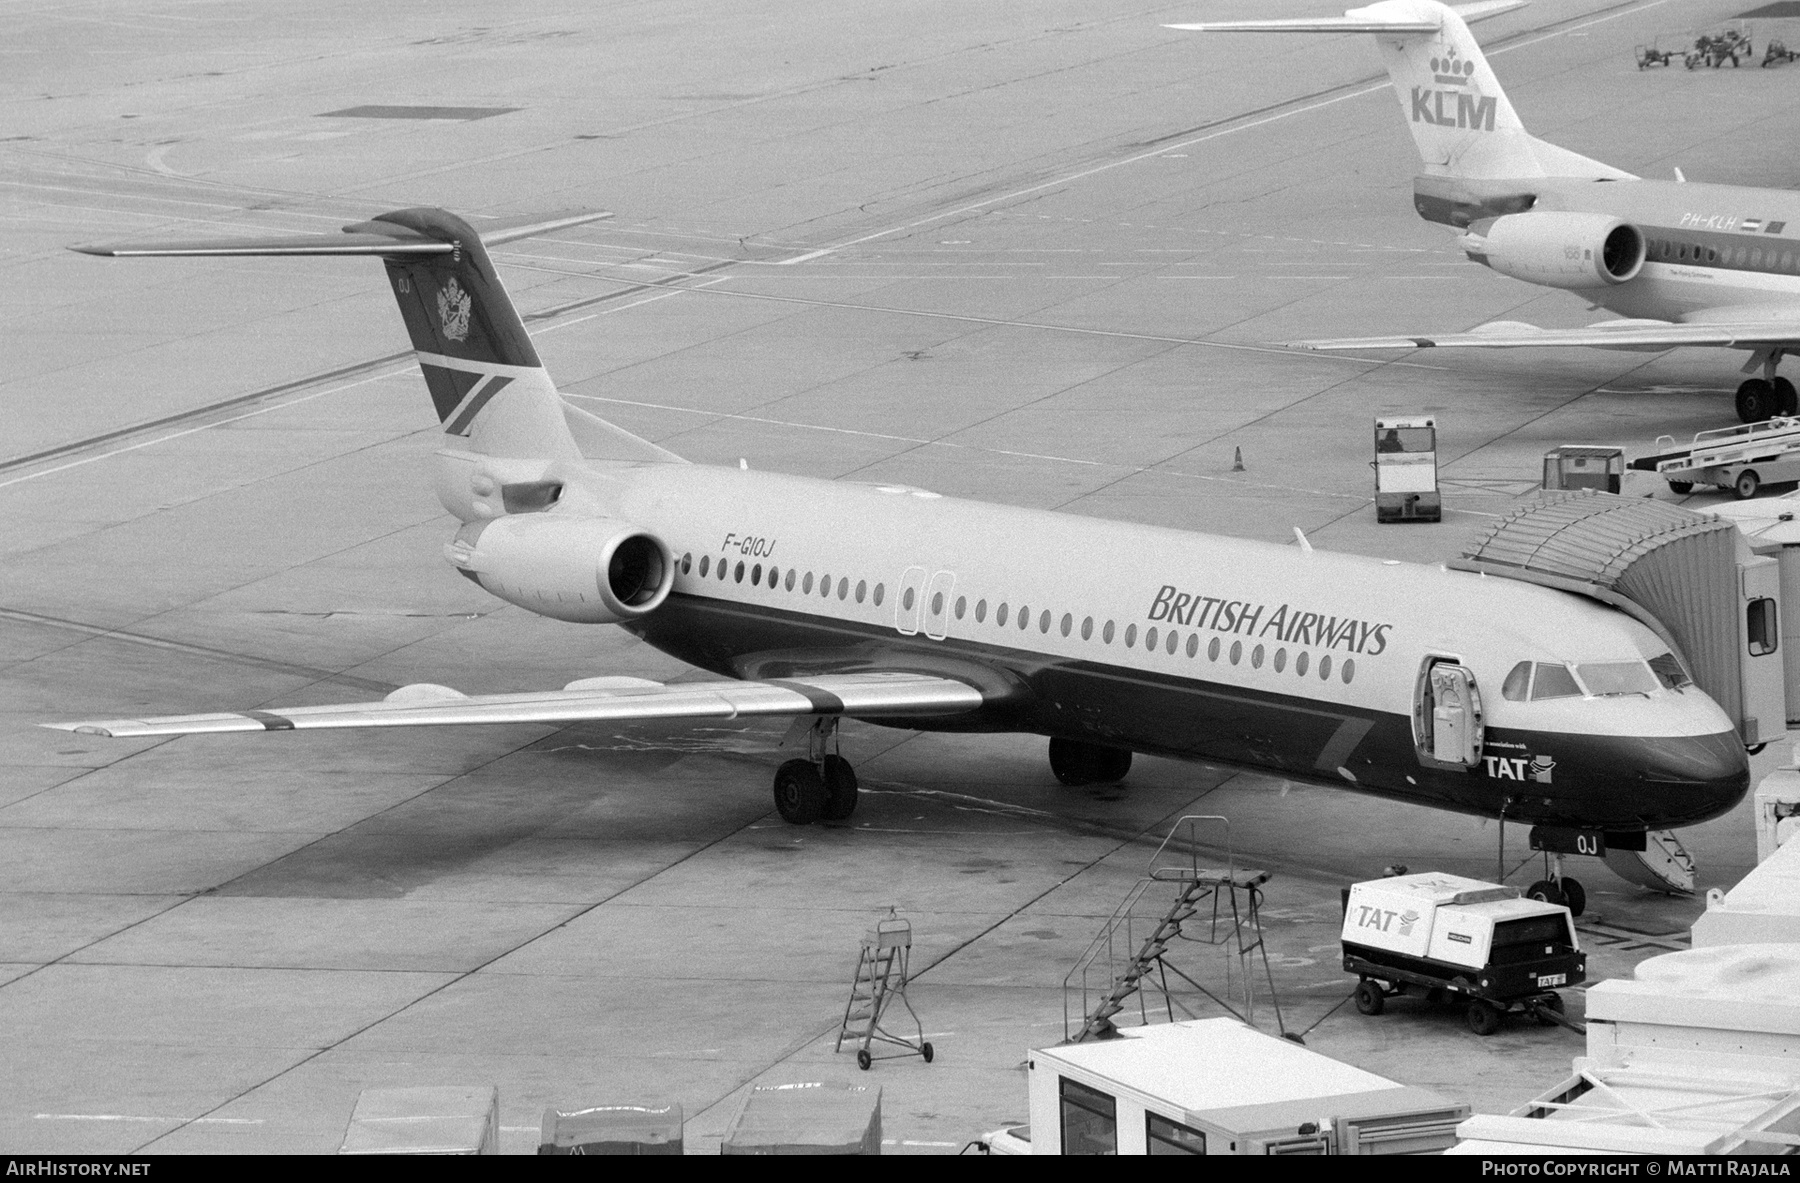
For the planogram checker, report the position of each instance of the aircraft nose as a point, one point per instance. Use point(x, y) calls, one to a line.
point(1693, 778)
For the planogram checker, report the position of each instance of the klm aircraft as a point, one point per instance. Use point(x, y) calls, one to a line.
point(1682, 264)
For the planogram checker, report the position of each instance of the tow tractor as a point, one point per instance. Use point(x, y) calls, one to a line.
point(1449, 938)
point(1740, 459)
point(1405, 464)
point(1651, 55)
point(1777, 52)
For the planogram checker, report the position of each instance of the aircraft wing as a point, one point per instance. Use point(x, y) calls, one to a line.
point(1617, 334)
point(1357, 20)
point(879, 694)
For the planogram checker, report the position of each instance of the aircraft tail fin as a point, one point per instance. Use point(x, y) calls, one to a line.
point(484, 375)
point(1460, 118)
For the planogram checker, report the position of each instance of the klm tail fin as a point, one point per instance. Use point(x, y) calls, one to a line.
point(1460, 118)
point(484, 375)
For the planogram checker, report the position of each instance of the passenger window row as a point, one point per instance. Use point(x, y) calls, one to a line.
point(1752, 257)
point(758, 575)
point(1171, 641)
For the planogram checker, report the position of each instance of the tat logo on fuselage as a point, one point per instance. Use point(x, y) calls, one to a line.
point(1537, 768)
point(1457, 103)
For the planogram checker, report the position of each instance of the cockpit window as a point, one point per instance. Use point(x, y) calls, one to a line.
point(1668, 671)
point(1517, 687)
point(1553, 681)
point(1617, 677)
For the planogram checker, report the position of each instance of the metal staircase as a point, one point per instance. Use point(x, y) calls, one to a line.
point(1214, 907)
point(881, 973)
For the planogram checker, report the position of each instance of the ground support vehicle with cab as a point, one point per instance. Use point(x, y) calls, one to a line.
point(1405, 464)
point(1448, 938)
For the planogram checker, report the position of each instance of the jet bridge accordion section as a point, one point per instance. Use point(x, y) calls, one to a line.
point(1691, 579)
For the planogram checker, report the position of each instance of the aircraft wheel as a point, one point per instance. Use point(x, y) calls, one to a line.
point(1574, 895)
point(1112, 764)
point(1787, 399)
point(1068, 762)
point(1756, 400)
point(840, 789)
point(864, 1059)
point(1483, 1018)
point(1681, 488)
point(1546, 891)
point(926, 1050)
point(1747, 484)
point(799, 793)
point(1369, 998)
point(1078, 763)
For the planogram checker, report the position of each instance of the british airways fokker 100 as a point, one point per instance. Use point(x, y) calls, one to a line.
point(818, 599)
point(1683, 264)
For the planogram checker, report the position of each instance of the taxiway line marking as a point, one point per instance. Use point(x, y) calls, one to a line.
point(163, 439)
point(1001, 322)
point(137, 1117)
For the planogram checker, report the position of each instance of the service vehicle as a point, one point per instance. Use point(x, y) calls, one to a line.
point(1777, 52)
point(1739, 459)
point(1651, 55)
point(1217, 1086)
point(1584, 466)
point(1405, 464)
point(1448, 937)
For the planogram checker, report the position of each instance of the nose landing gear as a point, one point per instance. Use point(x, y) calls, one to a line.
point(822, 787)
point(1558, 888)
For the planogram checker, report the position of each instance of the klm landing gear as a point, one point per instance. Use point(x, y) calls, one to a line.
point(821, 787)
point(1770, 395)
point(1078, 763)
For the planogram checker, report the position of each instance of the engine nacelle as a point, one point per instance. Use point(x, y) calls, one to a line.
point(582, 569)
point(1561, 250)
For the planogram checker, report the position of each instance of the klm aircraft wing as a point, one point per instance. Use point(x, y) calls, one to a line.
point(1358, 20)
point(1617, 334)
point(878, 694)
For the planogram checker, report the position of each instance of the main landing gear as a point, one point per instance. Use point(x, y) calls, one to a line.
point(1078, 763)
point(1767, 396)
point(821, 787)
point(1558, 888)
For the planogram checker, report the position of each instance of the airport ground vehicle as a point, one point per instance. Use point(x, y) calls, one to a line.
point(1715, 49)
point(1217, 1086)
point(1650, 55)
point(1777, 52)
point(1584, 466)
point(1738, 459)
point(1405, 464)
point(1450, 938)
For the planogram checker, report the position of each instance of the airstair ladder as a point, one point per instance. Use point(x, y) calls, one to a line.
point(1227, 902)
point(881, 973)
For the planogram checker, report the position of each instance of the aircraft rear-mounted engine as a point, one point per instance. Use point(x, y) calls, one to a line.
point(581, 569)
point(1559, 250)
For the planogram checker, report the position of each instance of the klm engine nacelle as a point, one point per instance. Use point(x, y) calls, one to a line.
point(582, 569)
point(1559, 250)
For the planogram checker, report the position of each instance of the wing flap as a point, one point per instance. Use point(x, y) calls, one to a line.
point(1606, 335)
point(880, 694)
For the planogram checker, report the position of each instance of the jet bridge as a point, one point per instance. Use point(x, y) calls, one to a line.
point(1692, 579)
